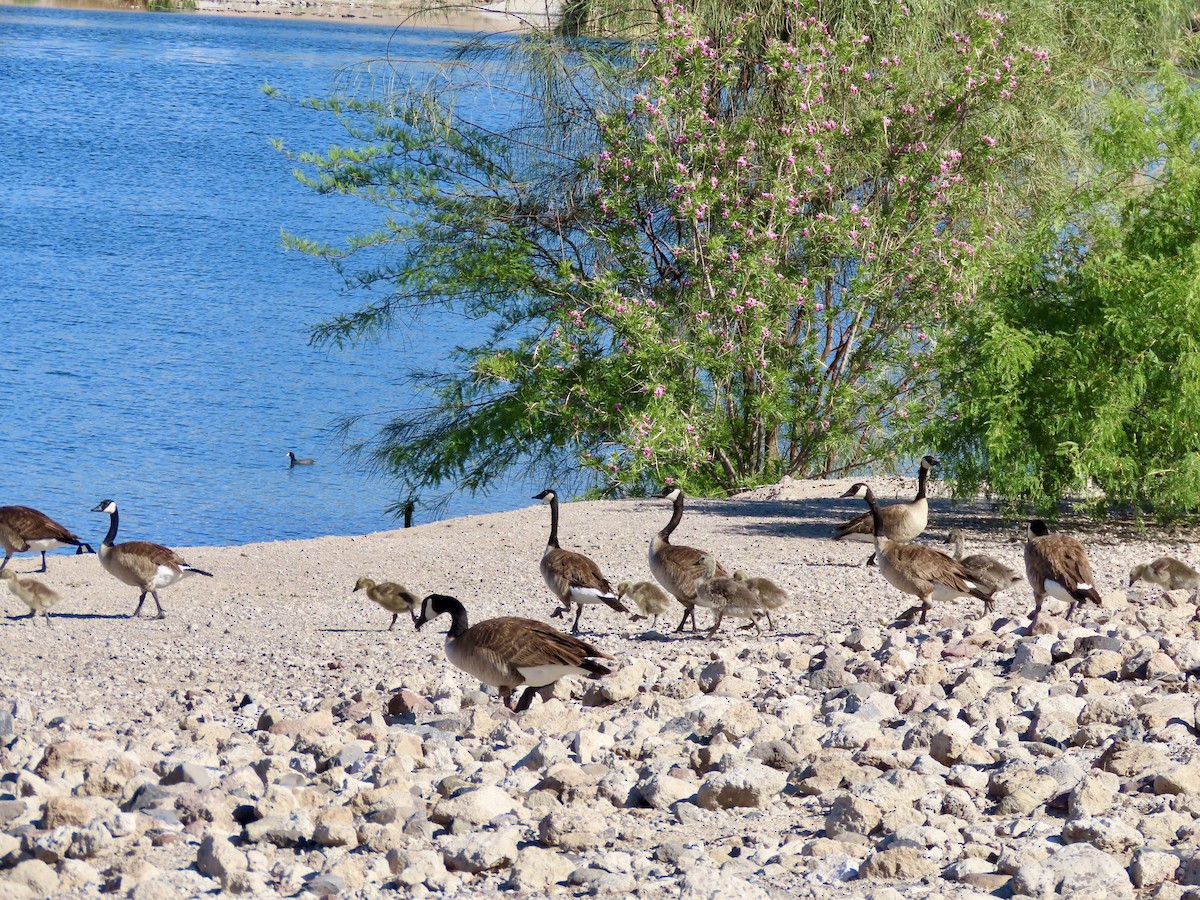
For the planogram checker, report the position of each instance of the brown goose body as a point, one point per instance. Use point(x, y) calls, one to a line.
point(648, 597)
point(141, 564)
point(725, 596)
point(510, 652)
point(395, 598)
point(923, 572)
point(32, 593)
point(572, 577)
point(902, 522)
point(987, 572)
point(677, 567)
point(1057, 566)
point(770, 595)
point(24, 529)
point(1168, 573)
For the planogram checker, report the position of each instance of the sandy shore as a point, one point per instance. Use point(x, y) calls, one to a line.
point(275, 684)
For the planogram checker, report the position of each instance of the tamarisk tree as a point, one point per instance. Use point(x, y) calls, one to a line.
point(718, 252)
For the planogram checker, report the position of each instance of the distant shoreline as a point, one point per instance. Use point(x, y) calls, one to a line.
point(504, 15)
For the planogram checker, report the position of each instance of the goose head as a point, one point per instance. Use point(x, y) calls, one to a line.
point(546, 496)
point(106, 506)
point(671, 493)
point(432, 607)
point(364, 584)
point(1036, 528)
point(928, 462)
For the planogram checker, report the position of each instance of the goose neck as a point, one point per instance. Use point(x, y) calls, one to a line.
point(676, 518)
point(111, 537)
point(922, 481)
point(553, 541)
point(458, 617)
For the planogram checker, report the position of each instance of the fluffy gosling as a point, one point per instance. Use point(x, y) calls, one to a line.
point(725, 596)
point(1170, 574)
point(395, 598)
point(770, 595)
point(32, 592)
point(648, 597)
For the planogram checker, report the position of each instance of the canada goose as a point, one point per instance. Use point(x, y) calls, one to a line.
point(647, 596)
point(1167, 573)
point(725, 596)
point(36, 595)
point(1057, 565)
point(141, 564)
point(23, 529)
point(989, 573)
point(921, 571)
point(676, 568)
point(393, 597)
point(770, 595)
point(572, 577)
point(293, 461)
point(509, 652)
point(902, 522)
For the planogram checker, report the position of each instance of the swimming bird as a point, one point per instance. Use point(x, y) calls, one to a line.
point(509, 652)
point(647, 596)
point(24, 529)
point(770, 595)
point(393, 597)
point(1168, 573)
point(148, 567)
point(294, 461)
point(902, 522)
point(35, 595)
point(990, 573)
point(1057, 566)
point(725, 596)
point(923, 572)
point(571, 576)
point(676, 568)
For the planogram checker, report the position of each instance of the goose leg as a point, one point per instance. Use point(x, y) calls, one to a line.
point(870, 560)
point(506, 697)
point(43, 568)
point(686, 611)
point(575, 627)
point(161, 614)
point(924, 609)
point(7, 557)
point(138, 611)
point(395, 616)
point(908, 614)
point(526, 699)
point(770, 624)
point(716, 624)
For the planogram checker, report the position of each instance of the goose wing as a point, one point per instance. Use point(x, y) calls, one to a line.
point(32, 525)
point(927, 568)
point(1056, 557)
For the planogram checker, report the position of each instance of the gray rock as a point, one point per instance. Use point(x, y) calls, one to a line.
point(1094, 795)
point(573, 828)
point(326, 885)
point(189, 773)
point(1078, 870)
point(535, 869)
point(663, 791)
point(219, 859)
point(897, 864)
point(598, 881)
point(852, 815)
point(1108, 834)
point(482, 851)
point(1151, 868)
point(751, 784)
point(474, 807)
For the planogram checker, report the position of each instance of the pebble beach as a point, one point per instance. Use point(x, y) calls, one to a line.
point(271, 737)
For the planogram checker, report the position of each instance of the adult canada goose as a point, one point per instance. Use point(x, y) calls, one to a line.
point(35, 595)
point(509, 652)
point(647, 596)
point(921, 571)
point(1057, 566)
point(24, 529)
point(294, 461)
point(770, 595)
point(148, 567)
point(725, 596)
point(990, 573)
point(676, 568)
point(393, 597)
point(902, 522)
point(572, 577)
point(1168, 573)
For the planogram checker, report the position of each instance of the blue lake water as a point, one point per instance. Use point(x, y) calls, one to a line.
point(153, 332)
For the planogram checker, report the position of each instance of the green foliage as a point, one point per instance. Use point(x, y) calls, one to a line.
point(718, 256)
point(1082, 369)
